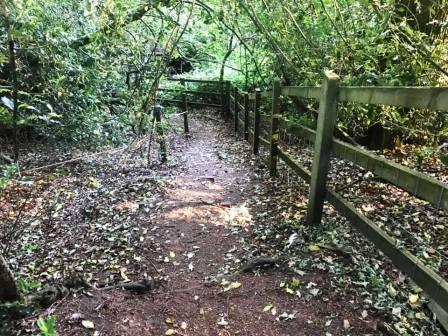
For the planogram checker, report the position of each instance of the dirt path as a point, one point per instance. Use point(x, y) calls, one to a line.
point(199, 233)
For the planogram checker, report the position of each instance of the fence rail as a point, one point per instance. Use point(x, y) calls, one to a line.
point(329, 95)
point(411, 97)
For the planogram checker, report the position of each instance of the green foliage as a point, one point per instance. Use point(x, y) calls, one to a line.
point(6, 174)
point(423, 153)
point(444, 159)
point(303, 120)
point(379, 44)
point(28, 285)
point(47, 327)
point(80, 92)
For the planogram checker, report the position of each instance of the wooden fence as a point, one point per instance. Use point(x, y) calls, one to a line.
point(245, 110)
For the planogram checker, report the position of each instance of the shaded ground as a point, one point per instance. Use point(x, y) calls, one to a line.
point(199, 231)
point(192, 223)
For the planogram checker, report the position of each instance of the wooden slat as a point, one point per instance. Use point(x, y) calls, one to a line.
point(294, 165)
point(434, 98)
point(257, 119)
point(275, 123)
point(262, 140)
point(265, 142)
point(205, 93)
point(414, 182)
point(302, 91)
point(241, 106)
point(246, 116)
point(441, 314)
point(328, 113)
point(175, 101)
point(204, 104)
point(434, 285)
point(194, 80)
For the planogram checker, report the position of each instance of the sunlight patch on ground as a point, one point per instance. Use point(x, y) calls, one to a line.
point(238, 216)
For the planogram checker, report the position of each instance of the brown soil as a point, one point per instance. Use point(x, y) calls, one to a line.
point(195, 236)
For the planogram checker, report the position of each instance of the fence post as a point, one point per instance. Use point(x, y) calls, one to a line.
point(185, 108)
point(222, 87)
point(227, 104)
point(257, 119)
point(275, 136)
point(236, 108)
point(322, 147)
point(246, 116)
point(160, 135)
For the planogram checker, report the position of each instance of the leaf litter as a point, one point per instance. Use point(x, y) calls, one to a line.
point(113, 218)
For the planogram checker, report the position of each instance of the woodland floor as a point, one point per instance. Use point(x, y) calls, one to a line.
point(191, 224)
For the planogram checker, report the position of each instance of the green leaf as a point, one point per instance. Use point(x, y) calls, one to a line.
point(444, 159)
point(47, 327)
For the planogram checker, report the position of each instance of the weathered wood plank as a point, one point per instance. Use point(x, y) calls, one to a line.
point(414, 182)
point(294, 165)
point(265, 142)
point(434, 285)
point(203, 104)
point(257, 119)
point(322, 146)
point(262, 140)
point(194, 80)
point(204, 93)
point(441, 314)
point(434, 98)
point(160, 134)
point(275, 120)
point(175, 101)
point(226, 106)
point(246, 116)
point(236, 109)
point(410, 180)
point(302, 91)
point(185, 109)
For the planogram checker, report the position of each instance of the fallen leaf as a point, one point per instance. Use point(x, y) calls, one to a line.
point(87, 324)
point(413, 298)
point(268, 308)
point(313, 248)
point(233, 285)
point(222, 322)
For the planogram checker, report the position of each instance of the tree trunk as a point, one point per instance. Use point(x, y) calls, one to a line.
point(226, 56)
point(8, 288)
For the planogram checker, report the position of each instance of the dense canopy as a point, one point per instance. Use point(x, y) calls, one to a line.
point(86, 70)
